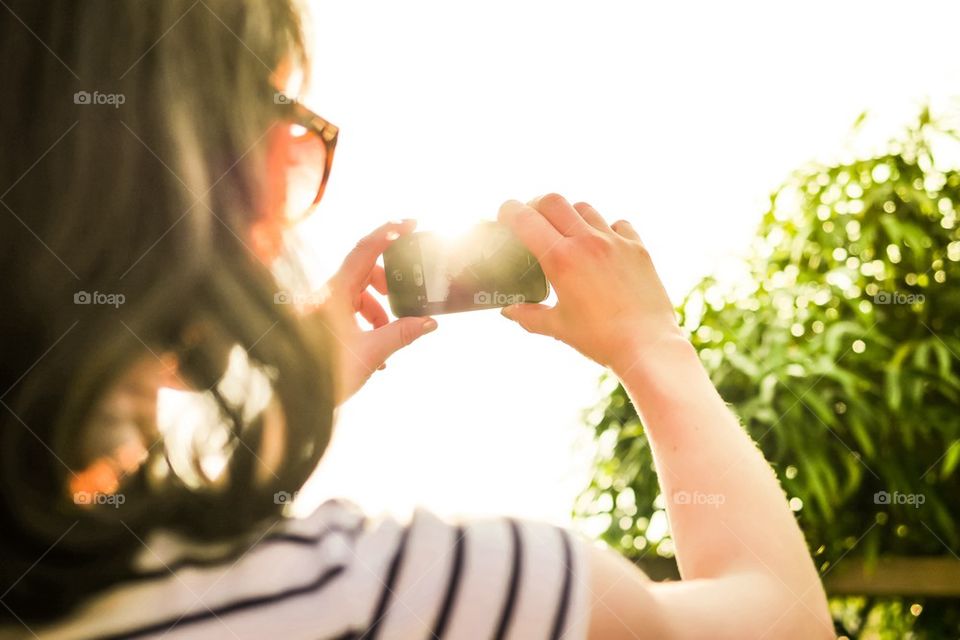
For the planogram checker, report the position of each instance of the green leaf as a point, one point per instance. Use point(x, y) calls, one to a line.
point(861, 434)
point(744, 364)
point(835, 334)
point(893, 227)
point(950, 460)
point(892, 380)
point(944, 360)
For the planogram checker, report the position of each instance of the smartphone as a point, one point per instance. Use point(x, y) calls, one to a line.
point(484, 268)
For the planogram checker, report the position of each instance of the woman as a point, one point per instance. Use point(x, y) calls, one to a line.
point(152, 162)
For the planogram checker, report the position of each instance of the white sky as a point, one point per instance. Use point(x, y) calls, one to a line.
point(679, 116)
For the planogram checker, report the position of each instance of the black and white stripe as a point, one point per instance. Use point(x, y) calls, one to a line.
point(453, 585)
point(386, 593)
point(510, 596)
point(500, 578)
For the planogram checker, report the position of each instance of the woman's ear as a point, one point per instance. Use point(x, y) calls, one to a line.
point(266, 238)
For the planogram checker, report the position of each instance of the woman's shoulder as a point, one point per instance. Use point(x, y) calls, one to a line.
point(338, 571)
point(170, 551)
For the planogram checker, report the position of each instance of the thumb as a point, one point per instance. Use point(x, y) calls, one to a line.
point(535, 318)
point(388, 339)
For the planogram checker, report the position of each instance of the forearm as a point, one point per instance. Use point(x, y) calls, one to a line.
point(727, 511)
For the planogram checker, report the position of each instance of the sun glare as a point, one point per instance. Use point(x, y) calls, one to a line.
point(682, 118)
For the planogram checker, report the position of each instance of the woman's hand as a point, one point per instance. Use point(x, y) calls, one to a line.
point(611, 305)
point(347, 294)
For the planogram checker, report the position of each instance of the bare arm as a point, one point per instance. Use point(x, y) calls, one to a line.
point(745, 567)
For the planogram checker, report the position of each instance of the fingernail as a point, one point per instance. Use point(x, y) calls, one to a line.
point(429, 325)
point(382, 366)
point(392, 235)
point(505, 311)
point(511, 204)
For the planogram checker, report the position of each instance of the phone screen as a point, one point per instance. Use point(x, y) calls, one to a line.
point(440, 268)
point(484, 268)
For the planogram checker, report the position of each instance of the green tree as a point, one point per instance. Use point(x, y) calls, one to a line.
point(839, 352)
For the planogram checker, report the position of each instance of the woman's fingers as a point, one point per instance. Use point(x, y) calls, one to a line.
point(560, 213)
point(535, 318)
point(592, 216)
point(384, 341)
point(533, 229)
point(354, 273)
point(371, 310)
point(626, 230)
point(378, 279)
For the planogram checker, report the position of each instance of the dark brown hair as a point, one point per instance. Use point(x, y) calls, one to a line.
point(131, 165)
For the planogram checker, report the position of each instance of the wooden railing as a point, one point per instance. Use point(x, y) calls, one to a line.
point(933, 576)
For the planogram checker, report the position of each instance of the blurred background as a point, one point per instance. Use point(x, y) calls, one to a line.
point(741, 139)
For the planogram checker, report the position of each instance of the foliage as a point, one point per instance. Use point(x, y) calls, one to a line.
point(839, 352)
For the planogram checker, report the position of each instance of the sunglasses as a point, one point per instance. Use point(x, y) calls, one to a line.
point(305, 145)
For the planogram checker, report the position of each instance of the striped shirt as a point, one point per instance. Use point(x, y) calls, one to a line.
point(339, 574)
